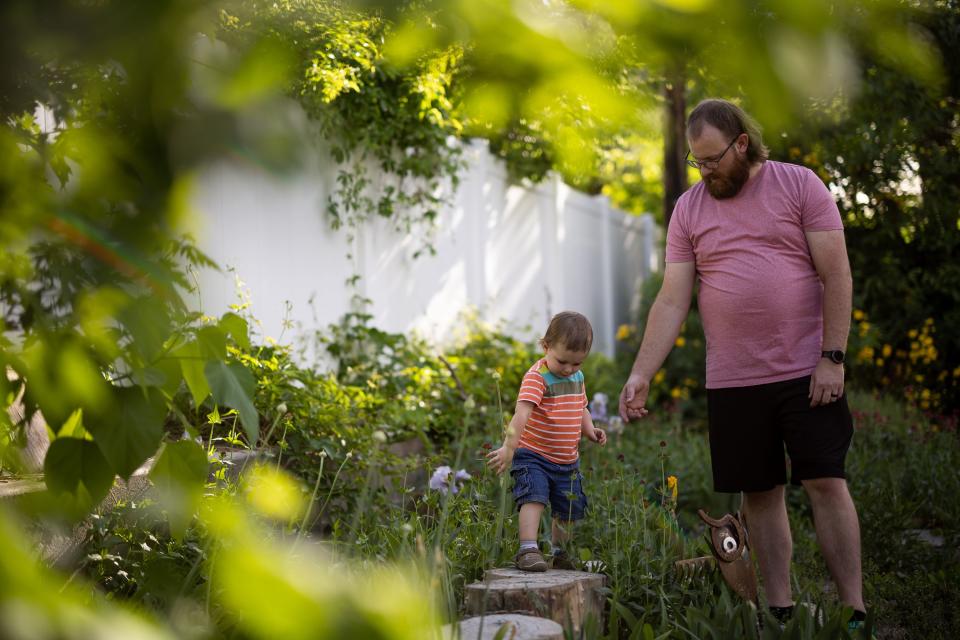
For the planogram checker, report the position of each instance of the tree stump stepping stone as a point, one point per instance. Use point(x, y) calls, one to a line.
point(519, 627)
point(566, 597)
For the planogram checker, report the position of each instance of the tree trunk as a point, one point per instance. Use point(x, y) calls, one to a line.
point(519, 627)
point(566, 597)
point(674, 141)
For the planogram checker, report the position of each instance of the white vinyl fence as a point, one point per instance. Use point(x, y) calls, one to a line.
point(517, 254)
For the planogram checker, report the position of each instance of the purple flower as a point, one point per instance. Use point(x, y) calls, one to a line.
point(445, 479)
point(598, 408)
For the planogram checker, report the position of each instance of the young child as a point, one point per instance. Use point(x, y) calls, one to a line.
point(543, 438)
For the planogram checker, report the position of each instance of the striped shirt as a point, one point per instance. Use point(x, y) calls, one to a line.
point(553, 429)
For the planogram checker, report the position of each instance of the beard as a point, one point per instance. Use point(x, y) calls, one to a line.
point(726, 185)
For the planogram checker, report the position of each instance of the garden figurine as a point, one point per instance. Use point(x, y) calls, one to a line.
point(765, 241)
point(541, 446)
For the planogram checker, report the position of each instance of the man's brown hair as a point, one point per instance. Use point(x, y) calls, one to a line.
point(570, 329)
point(730, 120)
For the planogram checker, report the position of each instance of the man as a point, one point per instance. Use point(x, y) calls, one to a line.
point(765, 241)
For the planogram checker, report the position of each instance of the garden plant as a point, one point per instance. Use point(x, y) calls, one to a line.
point(346, 496)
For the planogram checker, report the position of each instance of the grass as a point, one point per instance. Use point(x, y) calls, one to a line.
point(902, 471)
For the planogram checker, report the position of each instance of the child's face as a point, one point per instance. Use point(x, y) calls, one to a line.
point(563, 362)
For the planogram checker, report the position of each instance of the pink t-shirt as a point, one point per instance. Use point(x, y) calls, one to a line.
point(760, 297)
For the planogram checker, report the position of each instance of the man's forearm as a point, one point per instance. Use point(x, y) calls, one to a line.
point(663, 327)
point(837, 305)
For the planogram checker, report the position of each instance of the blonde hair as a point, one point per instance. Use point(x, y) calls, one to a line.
point(570, 329)
point(731, 120)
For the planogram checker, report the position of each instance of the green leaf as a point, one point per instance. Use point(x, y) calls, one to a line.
point(237, 327)
point(191, 364)
point(626, 614)
point(73, 427)
point(262, 73)
point(233, 386)
point(147, 320)
point(179, 476)
point(213, 343)
point(130, 434)
point(77, 467)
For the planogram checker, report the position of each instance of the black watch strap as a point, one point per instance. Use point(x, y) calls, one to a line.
point(836, 356)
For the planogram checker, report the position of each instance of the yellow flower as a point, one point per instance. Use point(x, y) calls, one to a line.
point(956, 372)
point(879, 362)
point(866, 354)
point(864, 328)
point(887, 350)
point(858, 315)
point(675, 393)
point(657, 379)
point(925, 394)
point(918, 378)
point(680, 341)
point(672, 486)
point(912, 334)
point(624, 331)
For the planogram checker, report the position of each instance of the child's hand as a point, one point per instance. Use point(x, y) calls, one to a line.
point(500, 459)
point(597, 435)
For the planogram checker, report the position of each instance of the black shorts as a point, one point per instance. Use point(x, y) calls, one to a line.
point(749, 427)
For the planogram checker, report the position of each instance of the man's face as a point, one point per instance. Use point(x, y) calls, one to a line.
point(731, 170)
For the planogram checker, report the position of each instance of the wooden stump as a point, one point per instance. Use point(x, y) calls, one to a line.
point(519, 627)
point(566, 597)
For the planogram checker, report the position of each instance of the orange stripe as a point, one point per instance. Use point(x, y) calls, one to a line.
point(565, 447)
point(569, 436)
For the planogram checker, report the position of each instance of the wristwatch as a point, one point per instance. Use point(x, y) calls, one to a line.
point(836, 356)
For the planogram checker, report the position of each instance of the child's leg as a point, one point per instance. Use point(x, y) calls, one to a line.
point(530, 513)
point(528, 557)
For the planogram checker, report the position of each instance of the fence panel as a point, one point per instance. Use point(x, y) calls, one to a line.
point(515, 253)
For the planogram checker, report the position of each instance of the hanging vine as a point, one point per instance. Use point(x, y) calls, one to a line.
point(392, 130)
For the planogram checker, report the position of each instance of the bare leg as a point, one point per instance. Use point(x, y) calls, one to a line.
point(530, 520)
point(838, 533)
point(769, 533)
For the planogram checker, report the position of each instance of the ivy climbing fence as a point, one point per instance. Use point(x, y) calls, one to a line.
point(513, 253)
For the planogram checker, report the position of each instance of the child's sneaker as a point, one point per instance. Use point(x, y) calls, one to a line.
point(562, 560)
point(530, 560)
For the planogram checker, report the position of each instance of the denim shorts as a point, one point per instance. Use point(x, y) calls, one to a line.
point(536, 479)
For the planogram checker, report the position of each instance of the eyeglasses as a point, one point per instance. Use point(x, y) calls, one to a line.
point(708, 164)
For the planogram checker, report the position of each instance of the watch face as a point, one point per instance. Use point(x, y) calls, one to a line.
point(837, 356)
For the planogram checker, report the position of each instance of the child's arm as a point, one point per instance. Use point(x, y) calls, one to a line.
point(501, 458)
point(591, 432)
